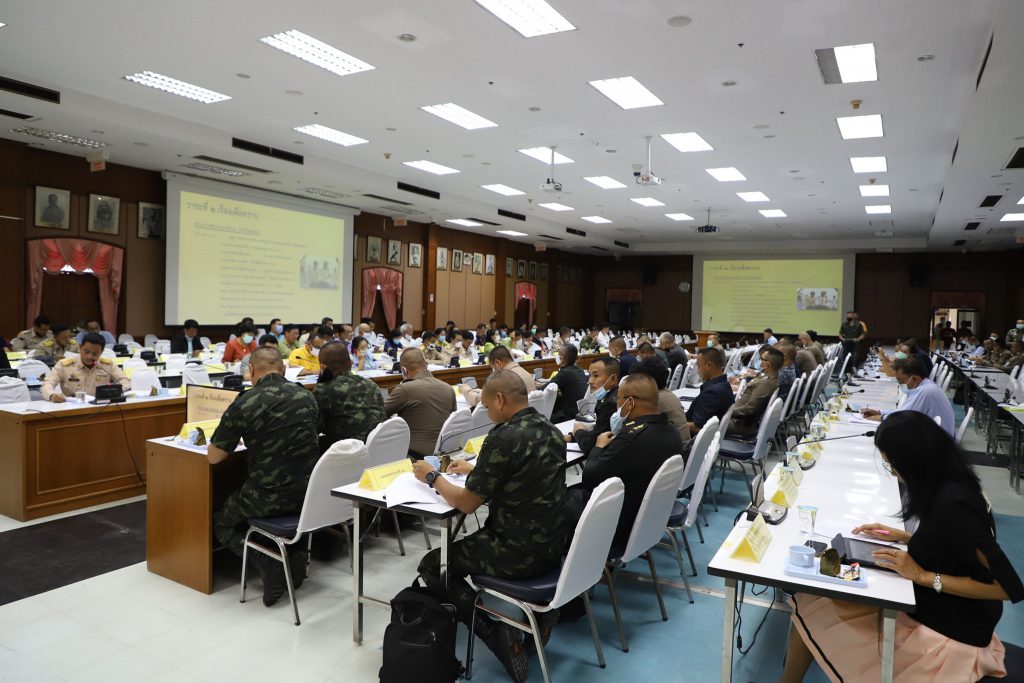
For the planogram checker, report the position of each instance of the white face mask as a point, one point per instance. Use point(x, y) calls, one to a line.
point(315, 351)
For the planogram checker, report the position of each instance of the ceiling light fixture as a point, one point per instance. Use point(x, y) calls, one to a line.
point(512, 233)
point(503, 190)
point(207, 168)
point(430, 167)
point(330, 135)
point(1021, 200)
point(543, 154)
point(54, 136)
point(753, 196)
point(878, 208)
point(596, 219)
point(1012, 217)
point(848, 63)
point(772, 213)
point(874, 190)
point(316, 52)
point(531, 18)
point(646, 201)
point(687, 142)
point(869, 164)
point(857, 127)
point(464, 222)
point(176, 87)
point(679, 216)
point(460, 116)
point(605, 182)
point(555, 206)
point(725, 175)
point(627, 92)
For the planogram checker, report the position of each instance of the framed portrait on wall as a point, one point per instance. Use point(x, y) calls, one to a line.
point(489, 265)
point(532, 273)
point(543, 271)
point(509, 264)
point(53, 208)
point(521, 269)
point(478, 263)
point(104, 214)
point(442, 258)
point(373, 248)
point(415, 255)
point(394, 253)
point(456, 259)
point(151, 221)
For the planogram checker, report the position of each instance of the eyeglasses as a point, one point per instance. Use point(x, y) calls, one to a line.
point(887, 466)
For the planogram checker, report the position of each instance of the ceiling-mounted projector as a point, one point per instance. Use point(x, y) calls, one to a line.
point(648, 179)
point(551, 186)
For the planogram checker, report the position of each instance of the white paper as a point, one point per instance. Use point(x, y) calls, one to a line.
point(292, 373)
point(573, 447)
point(859, 420)
point(407, 489)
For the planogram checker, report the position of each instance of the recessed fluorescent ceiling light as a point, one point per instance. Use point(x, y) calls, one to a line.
point(464, 222)
point(646, 201)
point(1007, 218)
point(512, 233)
point(55, 136)
point(330, 135)
point(543, 154)
point(855, 127)
point(874, 190)
point(176, 87)
point(1021, 200)
point(856, 63)
point(596, 219)
point(530, 18)
point(868, 164)
point(687, 142)
point(725, 175)
point(555, 206)
point(430, 167)
point(460, 116)
point(604, 182)
point(772, 213)
point(753, 196)
point(627, 92)
point(503, 189)
point(679, 216)
point(878, 208)
point(318, 53)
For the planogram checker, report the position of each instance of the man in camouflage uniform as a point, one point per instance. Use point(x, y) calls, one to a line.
point(61, 344)
point(278, 420)
point(1014, 333)
point(998, 356)
point(32, 339)
point(350, 405)
point(83, 373)
point(520, 474)
point(1016, 357)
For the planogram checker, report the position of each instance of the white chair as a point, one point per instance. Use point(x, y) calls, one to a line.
point(205, 341)
point(388, 442)
point(677, 377)
point(480, 422)
point(145, 379)
point(690, 376)
point(741, 388)
point(963, 425)
point(342, 464)
point(125, 339)
point(453, 433)
point(134, 364)
point(33, 369)
point(536, 401)
point(945, 382)
point(150, 340)
point(582, 568)
point(14, 390)
point(162, 346)
point(550, 398)
point(648, 530)
point(194, 373)
point(108, 353)
point(133, 347)
point(175, 362)
point(684, 512)
point(743, 454)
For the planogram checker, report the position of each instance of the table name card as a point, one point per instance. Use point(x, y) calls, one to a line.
point(474, 445)
point(380, 477)
point(205, 429)
point(749, 542)
point(786, 491)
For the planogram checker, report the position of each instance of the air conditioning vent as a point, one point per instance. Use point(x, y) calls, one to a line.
point(29, 90)
point(387, 199)
point(422, 191)
point(551, 237)
point(624, 245)
point(18, 115)
point(511, 214)
point(974, 225)
point(574, 231)
point(267, 151)
point(225, 162)
point(989, 201)
point(1017, 160)
point(321, 192)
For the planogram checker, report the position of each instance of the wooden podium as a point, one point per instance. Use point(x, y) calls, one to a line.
point(702, 337)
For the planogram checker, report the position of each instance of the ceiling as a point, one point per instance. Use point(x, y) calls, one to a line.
point(775, 123)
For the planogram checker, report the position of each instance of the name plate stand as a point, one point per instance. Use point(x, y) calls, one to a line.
point(380, 477)
point(749, 542)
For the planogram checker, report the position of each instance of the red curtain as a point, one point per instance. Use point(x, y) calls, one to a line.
point(389, 283)
point(527, 290)
point(103, 260)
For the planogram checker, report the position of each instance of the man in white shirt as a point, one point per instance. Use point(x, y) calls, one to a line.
point(604, 337)
point(922, 395)
point(769, 337)
point(406, 330)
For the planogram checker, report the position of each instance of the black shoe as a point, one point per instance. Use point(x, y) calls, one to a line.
point(572, 611)
point(272, 571)
point(507, 646)
point(545, 623)
point(297, 564)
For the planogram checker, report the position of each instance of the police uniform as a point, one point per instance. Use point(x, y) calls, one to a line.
point(1012, 362)
point(28, 340)
point(1013, 335)
point(72, 376)
point(350, 407)
point(520, 474)
point(634, 456)
point(278, 420)
point(434, 354)
point(751, 406)
point(587, 438)
point(54, 350)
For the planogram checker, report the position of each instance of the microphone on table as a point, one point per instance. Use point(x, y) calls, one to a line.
point(441, 452)
point(837, 438)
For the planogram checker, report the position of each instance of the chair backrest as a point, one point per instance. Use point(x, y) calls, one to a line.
point(162, 346)
point(945, 381)
point(655, 508)
point(677, 377)
point(388, 442)
point(591, 541)
point(536, 401)
point(550, 398)
point(175, 361)
point(343, 463)
point(700, 445)
point(769, 423)
point(935, 369)
point(480, 421)
point(136, 363)
point(723, 426)
point(205, 341)
point(32, 369)
point(450, 439)
point(145, 379)
point(195, 374)
point(133, 346)
point(150, 340)
point(108, 353)
point(705, 466)
point(14, 390)
point(846, 361)
point(963, 425)
point(125, 339)
point(690, 375)
point(787, 407)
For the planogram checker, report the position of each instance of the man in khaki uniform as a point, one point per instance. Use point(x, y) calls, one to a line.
point(84, 373)
point(750, 408)
point(422, 400)
point(61, 344)
point(32, 339)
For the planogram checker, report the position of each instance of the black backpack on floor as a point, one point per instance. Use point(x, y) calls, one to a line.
point(419, 643)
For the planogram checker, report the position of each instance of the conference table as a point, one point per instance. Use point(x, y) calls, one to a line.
point(849, 486)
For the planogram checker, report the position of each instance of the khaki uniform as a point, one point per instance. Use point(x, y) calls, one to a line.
point(1012, 362)
point(72, 376)
point(436, 355)
point(56, 351)
point(28, 340)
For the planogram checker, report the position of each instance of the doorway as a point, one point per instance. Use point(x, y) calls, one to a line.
point(963, 311)
point(71, 298)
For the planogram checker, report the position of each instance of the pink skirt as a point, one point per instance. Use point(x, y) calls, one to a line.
point(849, 636)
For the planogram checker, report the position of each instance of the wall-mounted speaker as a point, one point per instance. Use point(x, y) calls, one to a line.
point(650, 275)
point(918, 276)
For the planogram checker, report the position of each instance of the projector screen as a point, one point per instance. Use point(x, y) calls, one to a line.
point(233, 252)
point(789, 295)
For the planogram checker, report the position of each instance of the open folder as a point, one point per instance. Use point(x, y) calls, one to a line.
point(406, 489)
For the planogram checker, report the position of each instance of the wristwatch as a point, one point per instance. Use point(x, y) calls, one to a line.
point(937, 583)
point(433, 475)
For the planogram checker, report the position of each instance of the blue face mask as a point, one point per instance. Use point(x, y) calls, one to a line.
point(904, 389)
point(617, 420)
point(504, 335)
point(441, 338)
point(900, 355)
point(247, 339)
point(600, 393)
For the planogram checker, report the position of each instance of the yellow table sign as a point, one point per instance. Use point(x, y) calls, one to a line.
point(793, 464)
point(749, 542)
point(785, 489)
point(206, 429)
point(380, 477)
point(17, 355)
point(474, 445)
point(465, 362)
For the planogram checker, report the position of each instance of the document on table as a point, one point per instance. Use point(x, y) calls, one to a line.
point(406, 489)
point(573, 447)
point(858, 420)
point(830, 528)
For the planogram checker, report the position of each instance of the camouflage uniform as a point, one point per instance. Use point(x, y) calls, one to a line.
point(520, 474)
point(28, 340)
point(1012, 362)
point(350, 407)
point(588, 343)
point(278, 420)
point(1012, 335)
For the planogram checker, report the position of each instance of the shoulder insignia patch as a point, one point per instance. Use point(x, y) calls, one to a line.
point(108, 361)
point(67, 361)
